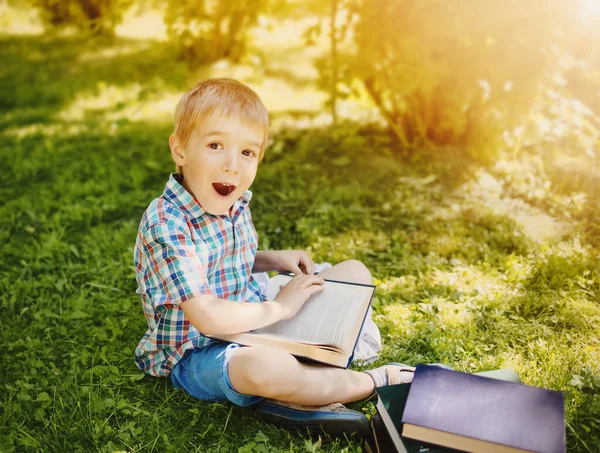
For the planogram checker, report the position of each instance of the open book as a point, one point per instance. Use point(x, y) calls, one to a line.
point(326, 329)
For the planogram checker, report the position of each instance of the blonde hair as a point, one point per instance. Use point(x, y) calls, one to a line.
point(225, 96)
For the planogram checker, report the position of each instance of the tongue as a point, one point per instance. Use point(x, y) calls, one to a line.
point(223, 189)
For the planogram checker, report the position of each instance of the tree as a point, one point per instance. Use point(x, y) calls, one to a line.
point(210, 30)
point(452, 73)
point(93, 16)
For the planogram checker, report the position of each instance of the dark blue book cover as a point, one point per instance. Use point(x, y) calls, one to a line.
point(386, 425)
point(485, 409)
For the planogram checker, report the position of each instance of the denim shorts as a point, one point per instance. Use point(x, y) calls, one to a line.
point(204, 375)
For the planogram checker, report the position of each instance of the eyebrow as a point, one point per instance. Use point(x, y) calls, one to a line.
point(224, 134)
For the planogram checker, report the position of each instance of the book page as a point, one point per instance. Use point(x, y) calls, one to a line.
point(328, 318)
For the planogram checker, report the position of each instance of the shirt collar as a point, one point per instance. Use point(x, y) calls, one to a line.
point(176, 194)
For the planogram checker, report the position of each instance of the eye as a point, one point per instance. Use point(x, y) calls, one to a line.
point(249, 153)
point(215, 145)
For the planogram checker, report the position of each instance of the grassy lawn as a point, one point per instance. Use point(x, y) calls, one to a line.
point(479, 268)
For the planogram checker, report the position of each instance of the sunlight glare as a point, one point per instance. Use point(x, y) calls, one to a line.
point(590, 8)
point(112, 102)
point(146, 25)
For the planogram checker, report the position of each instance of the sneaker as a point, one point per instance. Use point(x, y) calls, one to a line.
point(335, 418)
point(396, 373)
point(391, 374)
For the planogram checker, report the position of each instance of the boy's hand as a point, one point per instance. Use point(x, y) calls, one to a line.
point(295, 261)
point(297, 291)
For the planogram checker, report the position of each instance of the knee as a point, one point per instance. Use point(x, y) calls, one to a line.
point(242, 363)
point(358, 272)
point(253, 370)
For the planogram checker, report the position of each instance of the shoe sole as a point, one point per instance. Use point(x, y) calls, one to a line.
point(333, 423)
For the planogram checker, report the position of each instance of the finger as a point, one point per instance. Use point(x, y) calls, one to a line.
point(311, 266)
point(304, 281)
point(303, 268)
point(319, 279)
point(314, 280)
point(296, 270)
point(316, 289)
point(299, 276)
point(307, 264)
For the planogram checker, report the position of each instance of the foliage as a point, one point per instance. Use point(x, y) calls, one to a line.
point(588, 414)
point(207, 30)
point(95, 16)
point(561, 120)
point(450, 73)
point(561, 139)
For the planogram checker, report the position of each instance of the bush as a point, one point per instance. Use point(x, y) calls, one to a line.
point(208, 31)
point(451, 73)
point(95, 16)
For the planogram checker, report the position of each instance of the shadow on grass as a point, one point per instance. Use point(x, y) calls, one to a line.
point(46, 73)
point(585, 428)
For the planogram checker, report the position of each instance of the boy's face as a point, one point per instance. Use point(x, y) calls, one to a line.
point(219, 160)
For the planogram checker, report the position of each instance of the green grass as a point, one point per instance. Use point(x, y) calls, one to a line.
point(472, 270)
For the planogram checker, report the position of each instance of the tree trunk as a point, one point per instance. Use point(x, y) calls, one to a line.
point(390, 117)
point(236, 26)
point(334, 66)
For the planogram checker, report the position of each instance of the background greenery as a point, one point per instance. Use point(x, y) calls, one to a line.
point(451, 148)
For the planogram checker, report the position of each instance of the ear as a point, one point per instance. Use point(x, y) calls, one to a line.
point(177, 151)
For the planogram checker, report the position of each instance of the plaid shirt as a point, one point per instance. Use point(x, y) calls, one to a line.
point(183, 252)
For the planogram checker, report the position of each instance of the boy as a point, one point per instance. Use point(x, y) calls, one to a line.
point(195, 251)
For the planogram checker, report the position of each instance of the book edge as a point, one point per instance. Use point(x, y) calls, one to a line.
point(334, 281)
point(374, 435)
point(362, 324)
point(308, 351)
point(391, 428)
point(446, 439)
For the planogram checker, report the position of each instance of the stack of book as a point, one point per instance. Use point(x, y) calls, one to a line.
point(449, 411)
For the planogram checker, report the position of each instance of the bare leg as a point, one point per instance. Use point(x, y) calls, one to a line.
point(349, 271)
point(275, 374)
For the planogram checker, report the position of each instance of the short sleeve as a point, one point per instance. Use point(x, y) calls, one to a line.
point(174, 267)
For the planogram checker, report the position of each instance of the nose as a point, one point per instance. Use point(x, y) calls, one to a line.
point(230, 162)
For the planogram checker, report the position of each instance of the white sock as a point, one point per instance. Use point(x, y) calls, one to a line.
point(379, 376)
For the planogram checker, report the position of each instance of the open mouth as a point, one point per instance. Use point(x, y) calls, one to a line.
point(223, 188)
